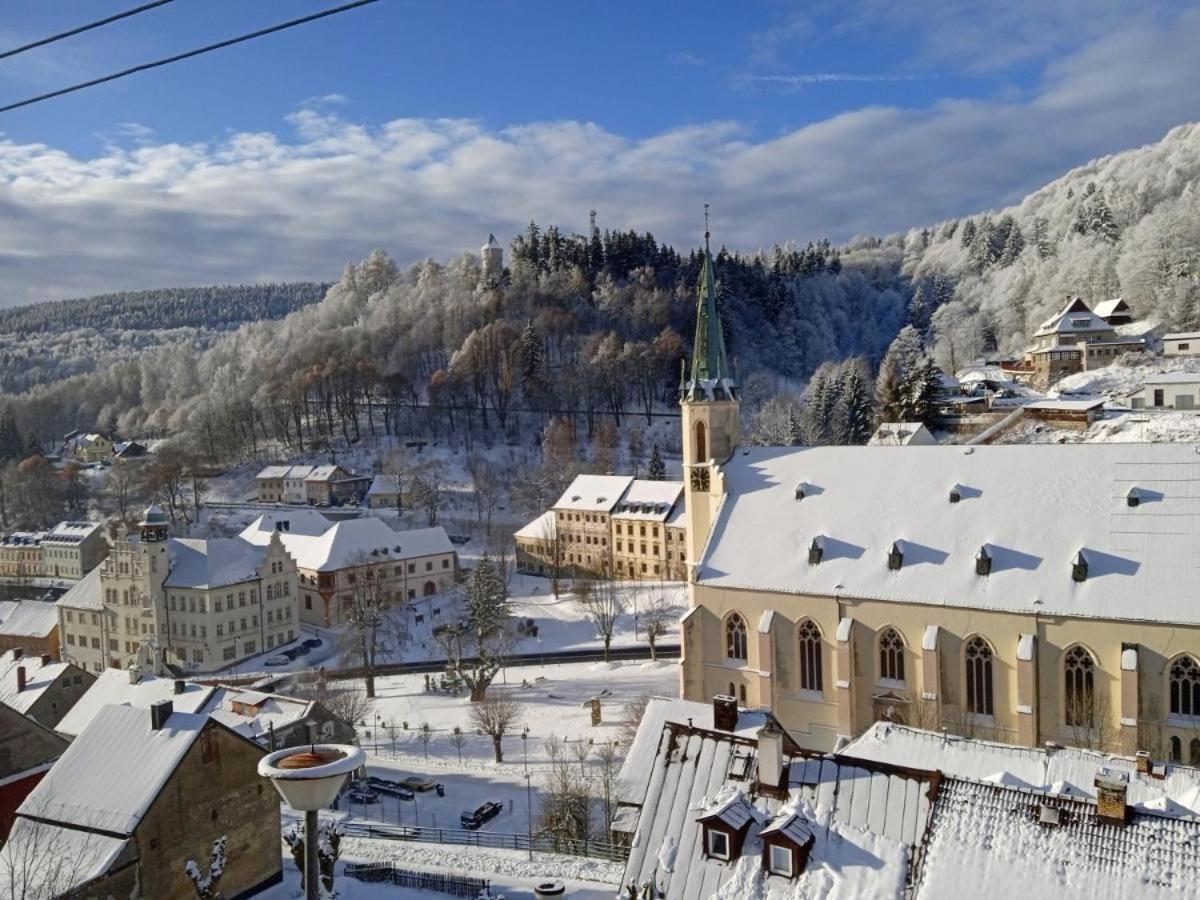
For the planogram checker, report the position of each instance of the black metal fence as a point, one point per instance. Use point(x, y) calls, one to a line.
point(502, 840)
point(429, 881)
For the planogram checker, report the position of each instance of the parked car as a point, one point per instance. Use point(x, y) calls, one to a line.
point(302, 650)
point(419, 783)
point(391, 788)
point(357, 795)
point(277, 661)
point(473, 819)
point(313, 643)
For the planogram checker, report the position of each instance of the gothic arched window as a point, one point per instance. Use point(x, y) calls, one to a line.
point(891, 655)
point(1185, 687)
point(735, 637)
point(1079, 681)
point(1176, 749)
point(979, 677)
point(810, 656)
point(701, 443)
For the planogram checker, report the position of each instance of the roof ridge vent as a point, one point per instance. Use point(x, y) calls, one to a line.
point(1134, 497)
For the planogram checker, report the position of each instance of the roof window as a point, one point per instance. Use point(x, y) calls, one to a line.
point(896, 557)
point(1079, 567)
point(1134, 497)
point(815, 551)
point(983, 562)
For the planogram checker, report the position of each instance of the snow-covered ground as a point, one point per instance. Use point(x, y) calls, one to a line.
point(1126, 374)
point(1138, 426)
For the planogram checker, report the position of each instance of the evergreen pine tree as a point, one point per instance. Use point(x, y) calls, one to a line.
point(980, 251)
point(795, 432)
point(887, 387)
point(817, 422)
point(967, 238)
point(531, 354)
point(1101, 220)
point(920, 310)
point(658, 469)
point(11, 444)
point(852, 415)
point(1041, 238)
point(1014, 246)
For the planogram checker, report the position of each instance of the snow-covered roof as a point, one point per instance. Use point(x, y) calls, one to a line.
point(732, 808)
point(7, 607)
point(113, 688)
point(543, 528)
point(359, 541)
point(982, 372)
point(270, 710)
point(1065, 771)
point(1107, 308)
point(384, 484)
point(38, 678)
point(678, 516)
point(650, 500)
point(593, 493)
point(212, 562)
point(1078, 405)
point(111, 773)
point(1174, 378)
point(272, 472)
point(865, 817)
point(791, 825)
point(902, 434)
point(70, 532)
point(31, 618)
point(85, 593)
point(299, 520)
point(1181, 336)
point(1034, 506)
point(1075, 318)
point(990, 843)
point(331, 473)
point(50, 860)
point(23, 539)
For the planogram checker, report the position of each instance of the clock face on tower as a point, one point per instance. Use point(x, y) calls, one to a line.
point(700, 478)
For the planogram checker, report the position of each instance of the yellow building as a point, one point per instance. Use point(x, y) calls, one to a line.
point(617, 525)
point(1024, 593)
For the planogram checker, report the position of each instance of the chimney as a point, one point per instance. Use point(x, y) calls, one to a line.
point(1143, 762)
point(770, 756)
point(725, 712)
point(1112, 785)
point(45, 659)
point(179, 685)
point(160, 711)
point(21, 681)
point(134, 674)
point(18, 652)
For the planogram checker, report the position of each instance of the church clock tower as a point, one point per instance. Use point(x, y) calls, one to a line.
point(709, 405)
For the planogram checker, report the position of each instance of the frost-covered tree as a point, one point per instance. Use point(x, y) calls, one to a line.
point(480, 634)
point(1014, 246)
point(852, 413)
point(658, 468)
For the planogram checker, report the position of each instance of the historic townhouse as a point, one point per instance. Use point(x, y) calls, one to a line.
point(1020, 593)
point(202, 604)
point(612, 524)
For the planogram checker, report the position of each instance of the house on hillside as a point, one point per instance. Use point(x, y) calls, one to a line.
point(268, 484)
point(27, 750)
point(902, 434)
point(129, 450)
point(1075, 340)
point(72, 549)
point(87, 447)
point(629, 527)
point(39, 687)
point(353, 553)
point(1076, 414)
point(1115, 311)
point(334, 486)
point(136, 798)
point(385, 493)
point(1168, 390)
point(1181, 343)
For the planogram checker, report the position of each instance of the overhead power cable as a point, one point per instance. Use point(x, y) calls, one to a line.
point(88, 27)
point(189, 54)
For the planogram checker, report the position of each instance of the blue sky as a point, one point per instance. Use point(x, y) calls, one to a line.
point(419, 127)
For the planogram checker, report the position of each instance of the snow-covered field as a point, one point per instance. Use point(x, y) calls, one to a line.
point(1124, 375)
point(1138, 426)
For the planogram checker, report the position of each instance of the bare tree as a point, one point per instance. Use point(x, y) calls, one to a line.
point(564, 813)
point(429, 488)
point(608, 754)
point(477, 641)
point(367, 614)
point(660, 612)
point(42, 860)
point(398, 467)
point(348, 704)
point(425, 733)
point(458, 739)
point(603, 600)
point(495, 716)
point(120, 486)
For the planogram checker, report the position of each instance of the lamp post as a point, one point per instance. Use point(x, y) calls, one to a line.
point(528, 789)
point(309, 780)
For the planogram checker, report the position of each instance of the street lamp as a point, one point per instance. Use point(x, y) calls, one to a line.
point(528, 789)
point(309, 780)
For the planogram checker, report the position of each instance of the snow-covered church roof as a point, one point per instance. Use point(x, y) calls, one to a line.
point(1034, 507)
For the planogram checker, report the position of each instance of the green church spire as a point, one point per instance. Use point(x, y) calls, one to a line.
point(708, 348)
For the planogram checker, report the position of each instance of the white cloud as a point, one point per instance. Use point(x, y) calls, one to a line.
point(299, 204)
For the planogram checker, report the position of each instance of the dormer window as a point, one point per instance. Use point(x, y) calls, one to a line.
point(1134, 497)
point(815, 551)
point(955, 494)
point(1079, 567)
point(896, 557)
point(983, 562)
point(800, 494)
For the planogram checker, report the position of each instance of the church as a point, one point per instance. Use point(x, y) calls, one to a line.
point(1018, 593)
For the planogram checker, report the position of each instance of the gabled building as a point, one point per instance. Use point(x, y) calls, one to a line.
point(134, 688)
point(39, 687)
point(1181, 343)
point(1075, 340)
point(27, 751)
point(385, 493)
point(275, 721)
point(72, 549)
point(902, 434)
point(21, 554)
point(334, 486)
point(31, 626)
point(133, 800)
point(1115, 311)
point(333, 563)
point(87, 447)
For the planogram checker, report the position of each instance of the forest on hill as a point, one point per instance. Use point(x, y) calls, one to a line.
point(595, 327)
point(45, 342)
